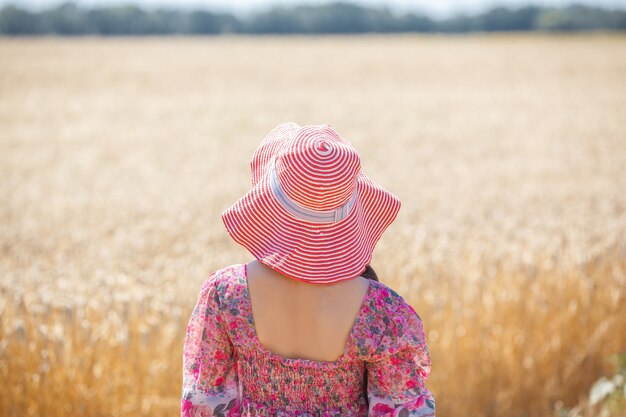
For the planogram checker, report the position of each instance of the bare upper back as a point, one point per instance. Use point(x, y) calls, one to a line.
point(301, 320)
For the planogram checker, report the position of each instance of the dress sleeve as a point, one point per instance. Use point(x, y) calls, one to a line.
point(399, 368)
point(210, 380)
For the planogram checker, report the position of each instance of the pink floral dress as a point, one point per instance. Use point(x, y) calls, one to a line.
point(227, 372)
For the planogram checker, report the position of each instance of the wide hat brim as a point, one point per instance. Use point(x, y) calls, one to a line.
point(320, 253)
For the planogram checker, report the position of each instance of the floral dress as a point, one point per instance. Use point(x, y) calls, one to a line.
point(228, 373)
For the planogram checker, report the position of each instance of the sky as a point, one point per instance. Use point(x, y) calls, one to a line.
point(433, 8)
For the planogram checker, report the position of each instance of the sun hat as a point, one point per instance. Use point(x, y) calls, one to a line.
point(311, 214)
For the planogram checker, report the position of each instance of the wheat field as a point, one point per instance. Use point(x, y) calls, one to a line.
point(119, 154)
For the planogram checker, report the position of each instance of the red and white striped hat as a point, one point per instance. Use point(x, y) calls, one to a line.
point(311, 214)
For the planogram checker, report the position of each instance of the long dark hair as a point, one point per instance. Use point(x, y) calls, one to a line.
point(369, 273)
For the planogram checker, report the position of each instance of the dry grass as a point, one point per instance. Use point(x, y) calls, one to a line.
point(118, 155)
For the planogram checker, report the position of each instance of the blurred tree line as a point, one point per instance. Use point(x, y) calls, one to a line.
point(340, 17)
